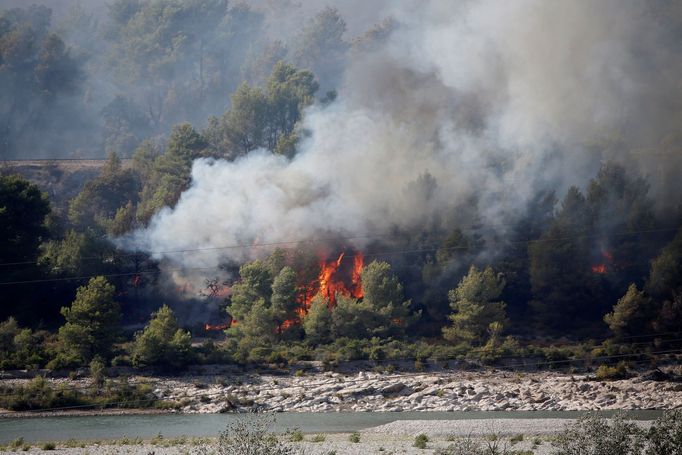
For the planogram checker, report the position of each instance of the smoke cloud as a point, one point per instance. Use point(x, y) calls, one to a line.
point(464, 106)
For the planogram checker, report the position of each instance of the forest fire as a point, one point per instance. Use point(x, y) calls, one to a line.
point(601, 269)
point(339, 276)
point(217, 327)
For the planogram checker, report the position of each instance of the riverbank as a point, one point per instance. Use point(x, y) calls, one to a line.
point(492, 390)
point(522, 435)
point(326, 444)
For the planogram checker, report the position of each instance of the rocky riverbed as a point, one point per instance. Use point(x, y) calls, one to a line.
point(441, 391)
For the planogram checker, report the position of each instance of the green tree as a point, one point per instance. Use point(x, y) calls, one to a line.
point(125, 126)
point(288, 92)
point(162, 342)
point(665, 276)
point(92, 321)
point(560, 268)
point(255, 284)
point(263, 117)
point(36, 69)
point(102, 196)
point(476, 306)
point(76, 254)
point(321, 47)
point(167, 175)
point(284, 297)
point(632, 315)
point(24, 211)
point(20, 347)
point(317, 323)
point(382, 312)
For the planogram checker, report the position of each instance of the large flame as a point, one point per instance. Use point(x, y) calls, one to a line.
point(337, 277)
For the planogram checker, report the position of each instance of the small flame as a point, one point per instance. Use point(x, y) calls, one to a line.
point(216, 327)
point(599, 269)
point(602, 268)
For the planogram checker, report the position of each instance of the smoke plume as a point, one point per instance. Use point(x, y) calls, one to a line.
point(463, 103)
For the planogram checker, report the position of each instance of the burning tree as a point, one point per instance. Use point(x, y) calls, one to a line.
point(344, 300)
point(383, 310)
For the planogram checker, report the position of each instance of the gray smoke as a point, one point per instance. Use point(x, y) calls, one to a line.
point(488, 101)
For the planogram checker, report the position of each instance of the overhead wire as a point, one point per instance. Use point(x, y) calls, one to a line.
point(365, 254)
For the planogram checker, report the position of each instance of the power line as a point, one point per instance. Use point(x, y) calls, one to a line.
point(368, 254)
point(357, 237)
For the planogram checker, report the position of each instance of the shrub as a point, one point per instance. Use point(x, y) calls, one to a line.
point(605, 372)
point(48, 446)
point(354, 437)
point(162, 342)
point(420, 441)
point(296, 436)
point(465, 446)
point(97, 372)
point(251, 435)
point(516, 439)
point(318, 438)
point(665, 435)
point(15, 444)
point(595, 435)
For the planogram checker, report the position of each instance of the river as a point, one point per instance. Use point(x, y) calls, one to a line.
point(173, 425)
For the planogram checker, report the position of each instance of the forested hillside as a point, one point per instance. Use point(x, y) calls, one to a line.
point(311, 193)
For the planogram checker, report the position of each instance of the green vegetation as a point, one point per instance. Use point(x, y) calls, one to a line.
point(162, 342)
point(252, 435)
point(420, 441)
point(39, 394)
point(92, 323)
point(476, 310)
point(586, 274)
point(354, 438)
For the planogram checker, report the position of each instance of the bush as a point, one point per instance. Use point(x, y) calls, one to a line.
point(420, 441)
point(605, 372)
point(251, 435)
point(162, 342)
point(318, 438)
point(97, 372)
point(38, 394)
point(464, 446)
point(296, 436)
point(354, 437)
point(665, 435)
point(48, 446)
point(595, 435)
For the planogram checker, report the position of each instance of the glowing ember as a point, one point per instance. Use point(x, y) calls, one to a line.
point(599, 268)
point(608, 261)
point(216, 327)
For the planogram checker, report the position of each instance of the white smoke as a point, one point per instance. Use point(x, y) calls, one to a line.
point(493, 99)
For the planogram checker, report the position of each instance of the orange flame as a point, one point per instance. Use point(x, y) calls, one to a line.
point(602, 268)
point(334, 279)
point(216, 327)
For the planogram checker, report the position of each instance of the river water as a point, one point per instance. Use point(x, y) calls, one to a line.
point(174, 425)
